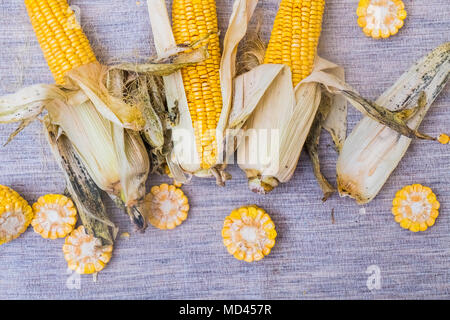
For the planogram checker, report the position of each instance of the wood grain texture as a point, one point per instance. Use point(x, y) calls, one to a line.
point(313, 257)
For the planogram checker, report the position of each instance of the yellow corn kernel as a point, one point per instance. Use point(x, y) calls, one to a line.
point(295, 36)
point(381, 18)
point(15, 215)
point(84, 253)
point(415, 207)
point(444, 138)
point(194, 20)
point(54, 216)
point(249, 233)
point(166, 206)
point(60, 36)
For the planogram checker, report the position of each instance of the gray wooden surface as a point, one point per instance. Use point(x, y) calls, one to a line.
point(314, 257)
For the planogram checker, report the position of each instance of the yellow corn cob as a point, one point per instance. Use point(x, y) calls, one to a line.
point(381, 18)
point(15, 215)
point(167, 206)
point(84, 253)
point(194, 20)
point(249, 233)
point(60, 36)
point(295, 36)
point(415, 207)
point(54, 216)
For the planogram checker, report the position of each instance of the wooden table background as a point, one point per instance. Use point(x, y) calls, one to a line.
point(314, 257)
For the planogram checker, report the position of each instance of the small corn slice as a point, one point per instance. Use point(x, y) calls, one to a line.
point(381, 18)
point(415, 207)
point(249, 233)
point(167, 206)
point(15, 215)
point(444, 138)
point(84, 253)
point(55, 216)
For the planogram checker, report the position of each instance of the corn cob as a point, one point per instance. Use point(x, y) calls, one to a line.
point(415, 207)
point(295, 36)
point(194, 20)
point(61, 38)
point(249, 233)
point(55, 216)
point(167, 206)
point(15, 215)
point(84, 253)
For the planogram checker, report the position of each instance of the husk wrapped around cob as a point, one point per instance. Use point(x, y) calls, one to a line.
point(372, 151)
point(201, 94)
point(101, 126)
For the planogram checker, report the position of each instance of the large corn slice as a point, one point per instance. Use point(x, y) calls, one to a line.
point(295, 36)
point(60, 36)
point(194, 20)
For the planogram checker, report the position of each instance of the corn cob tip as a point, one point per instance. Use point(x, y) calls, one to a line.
point(262, 185)
point(249, 233)
point(15, 215)
point(167, 206)
point(381, 18)
point(415, 207)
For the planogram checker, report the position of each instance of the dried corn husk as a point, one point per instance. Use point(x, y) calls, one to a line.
point(184, 158)
point(265, 101)
point(373, 151)
point(101, 126)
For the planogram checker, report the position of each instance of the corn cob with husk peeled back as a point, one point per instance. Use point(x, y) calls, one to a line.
point(101, 126)
point(372, 151)
point(201, 93)
point(282, 113)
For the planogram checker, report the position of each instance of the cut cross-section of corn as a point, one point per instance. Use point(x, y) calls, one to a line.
point(167, 206)
point(381, 18)
point(15, 215)
point(444, 138)
point(415, 207)
point(194, 20)
point(61, 38)
point(84, 253)
point(249, 233)
point(295, 36)
point(55, 216)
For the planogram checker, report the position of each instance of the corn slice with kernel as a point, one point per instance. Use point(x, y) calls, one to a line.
point(415, 207)
point(381, 18)
point(15, 215)
point(167, 206)
point(84, 253)
point(55, 216)
point(249, 233)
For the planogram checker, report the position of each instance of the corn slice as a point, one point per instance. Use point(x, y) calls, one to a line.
point(381, 18)
point(84, 253)
point(167, 206)
point(415, 207)
point(15, 215)
point(55, 216)
point(249, 233)
point(444, 138)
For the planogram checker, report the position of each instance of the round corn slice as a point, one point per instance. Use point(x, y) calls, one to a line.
point(249, 233)
point(54, 216)
point(415, 207)
point(84, 253)
point(381, 18)
point(444, 138)
point(167, 206)
point(15, 215)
